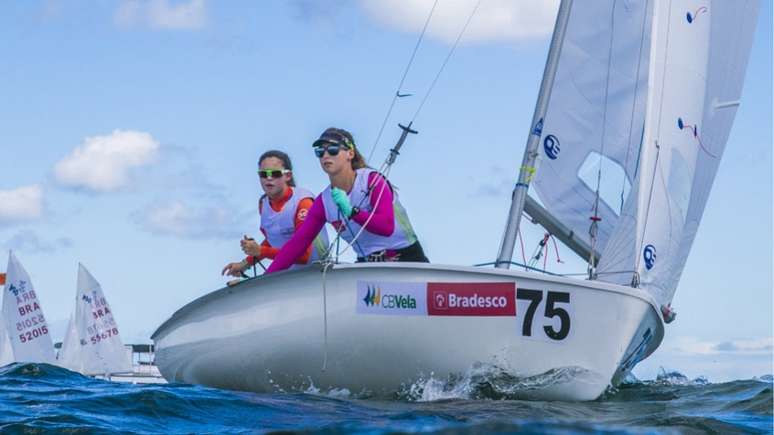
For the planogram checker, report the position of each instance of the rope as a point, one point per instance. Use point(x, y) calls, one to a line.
point(448, 56)
point(556, 248)
point(513, 263)
point(539, 251)
point(634, 104)
point(386, 166)
point(326, 266)
point(370, 215)
point(599, 273)
point(400, 86)
point(521, 241)
point(594, 227)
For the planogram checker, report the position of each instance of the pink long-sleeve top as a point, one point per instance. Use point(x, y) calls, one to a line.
point(381, 224)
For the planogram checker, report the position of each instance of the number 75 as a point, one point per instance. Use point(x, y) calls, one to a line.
point(551, 310)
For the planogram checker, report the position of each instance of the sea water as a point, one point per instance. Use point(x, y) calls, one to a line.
point(38, 398)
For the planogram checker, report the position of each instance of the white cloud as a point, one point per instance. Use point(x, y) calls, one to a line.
point(495, 20)
point(21, 204)
point(29, 241)
point(162, 14)
point(717, 360)
point(103, 163)
point(696, 346)
point(178, 219)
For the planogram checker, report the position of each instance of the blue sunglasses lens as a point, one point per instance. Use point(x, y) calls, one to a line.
point(333, 149)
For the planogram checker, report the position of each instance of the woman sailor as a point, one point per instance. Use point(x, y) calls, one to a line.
point(283, 208)
point(357, 196)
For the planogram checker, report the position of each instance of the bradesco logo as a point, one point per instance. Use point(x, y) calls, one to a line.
point(471, 299)
point(403, 298)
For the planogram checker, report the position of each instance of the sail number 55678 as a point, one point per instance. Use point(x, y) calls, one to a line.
point(555, 317)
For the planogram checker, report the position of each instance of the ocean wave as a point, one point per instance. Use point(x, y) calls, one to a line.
point(40, 398)
point(487, 381)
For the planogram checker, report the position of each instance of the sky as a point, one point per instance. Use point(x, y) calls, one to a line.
point(131, 131)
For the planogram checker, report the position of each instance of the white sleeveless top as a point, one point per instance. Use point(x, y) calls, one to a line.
point(279, 226)
point(368, 243)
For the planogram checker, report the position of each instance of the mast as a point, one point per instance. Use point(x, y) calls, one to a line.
point(527, 170)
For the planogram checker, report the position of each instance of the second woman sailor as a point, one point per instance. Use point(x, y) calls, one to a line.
point(357, 196)
point(283, 209)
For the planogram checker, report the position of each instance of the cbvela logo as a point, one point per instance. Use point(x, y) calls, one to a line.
point(471, 299)
point(374, 297)
point(396, 298)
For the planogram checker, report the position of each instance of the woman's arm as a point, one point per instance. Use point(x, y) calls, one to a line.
point(383, 221)
point(302, 238)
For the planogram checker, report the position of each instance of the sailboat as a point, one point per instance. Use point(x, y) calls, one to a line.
point(24, 332)
point(92, 344)
point(642, 92)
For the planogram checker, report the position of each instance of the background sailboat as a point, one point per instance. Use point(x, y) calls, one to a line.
point(92, 344)
point(24, 333)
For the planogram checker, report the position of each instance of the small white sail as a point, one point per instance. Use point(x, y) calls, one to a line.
point(596, 115)
point(93, 345)
point(698, 61)
point(25, 325)
point(6, 351)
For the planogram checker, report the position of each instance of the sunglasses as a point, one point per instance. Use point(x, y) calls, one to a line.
point(332, 148)
point(272, 173)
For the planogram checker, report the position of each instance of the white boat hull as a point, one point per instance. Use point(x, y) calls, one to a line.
point(268, 333)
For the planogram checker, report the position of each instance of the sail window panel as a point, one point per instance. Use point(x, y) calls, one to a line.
point(614, 185)
point(597, 105)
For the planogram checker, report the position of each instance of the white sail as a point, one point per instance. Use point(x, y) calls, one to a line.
point(698, 59)
point(25, 325)
point(6, 351)
point(92, 344)
point(597, 109)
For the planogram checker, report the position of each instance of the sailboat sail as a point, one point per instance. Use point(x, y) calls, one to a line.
point(697, 65)
point(595, 115)
point(93, 345)
point(6, 351)
point(24, 333)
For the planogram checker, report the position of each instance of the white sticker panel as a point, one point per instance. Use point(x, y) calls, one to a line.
point(392, 298)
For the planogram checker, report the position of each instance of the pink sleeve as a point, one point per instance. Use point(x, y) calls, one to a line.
point(383, 221)
point(302, 238)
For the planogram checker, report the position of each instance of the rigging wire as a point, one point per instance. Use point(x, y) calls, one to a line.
point(594, 228)
point(635, 277)
point(446, 61)
point(634, 105)
point(385, 168)
point(326, 266)
point(329, 260)
point(403, 79)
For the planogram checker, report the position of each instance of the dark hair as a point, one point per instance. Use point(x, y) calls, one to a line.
point(358, 161)
point(285, 162)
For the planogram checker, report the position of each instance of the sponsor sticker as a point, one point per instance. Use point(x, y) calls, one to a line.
point(396, 298)
point(471, 299)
